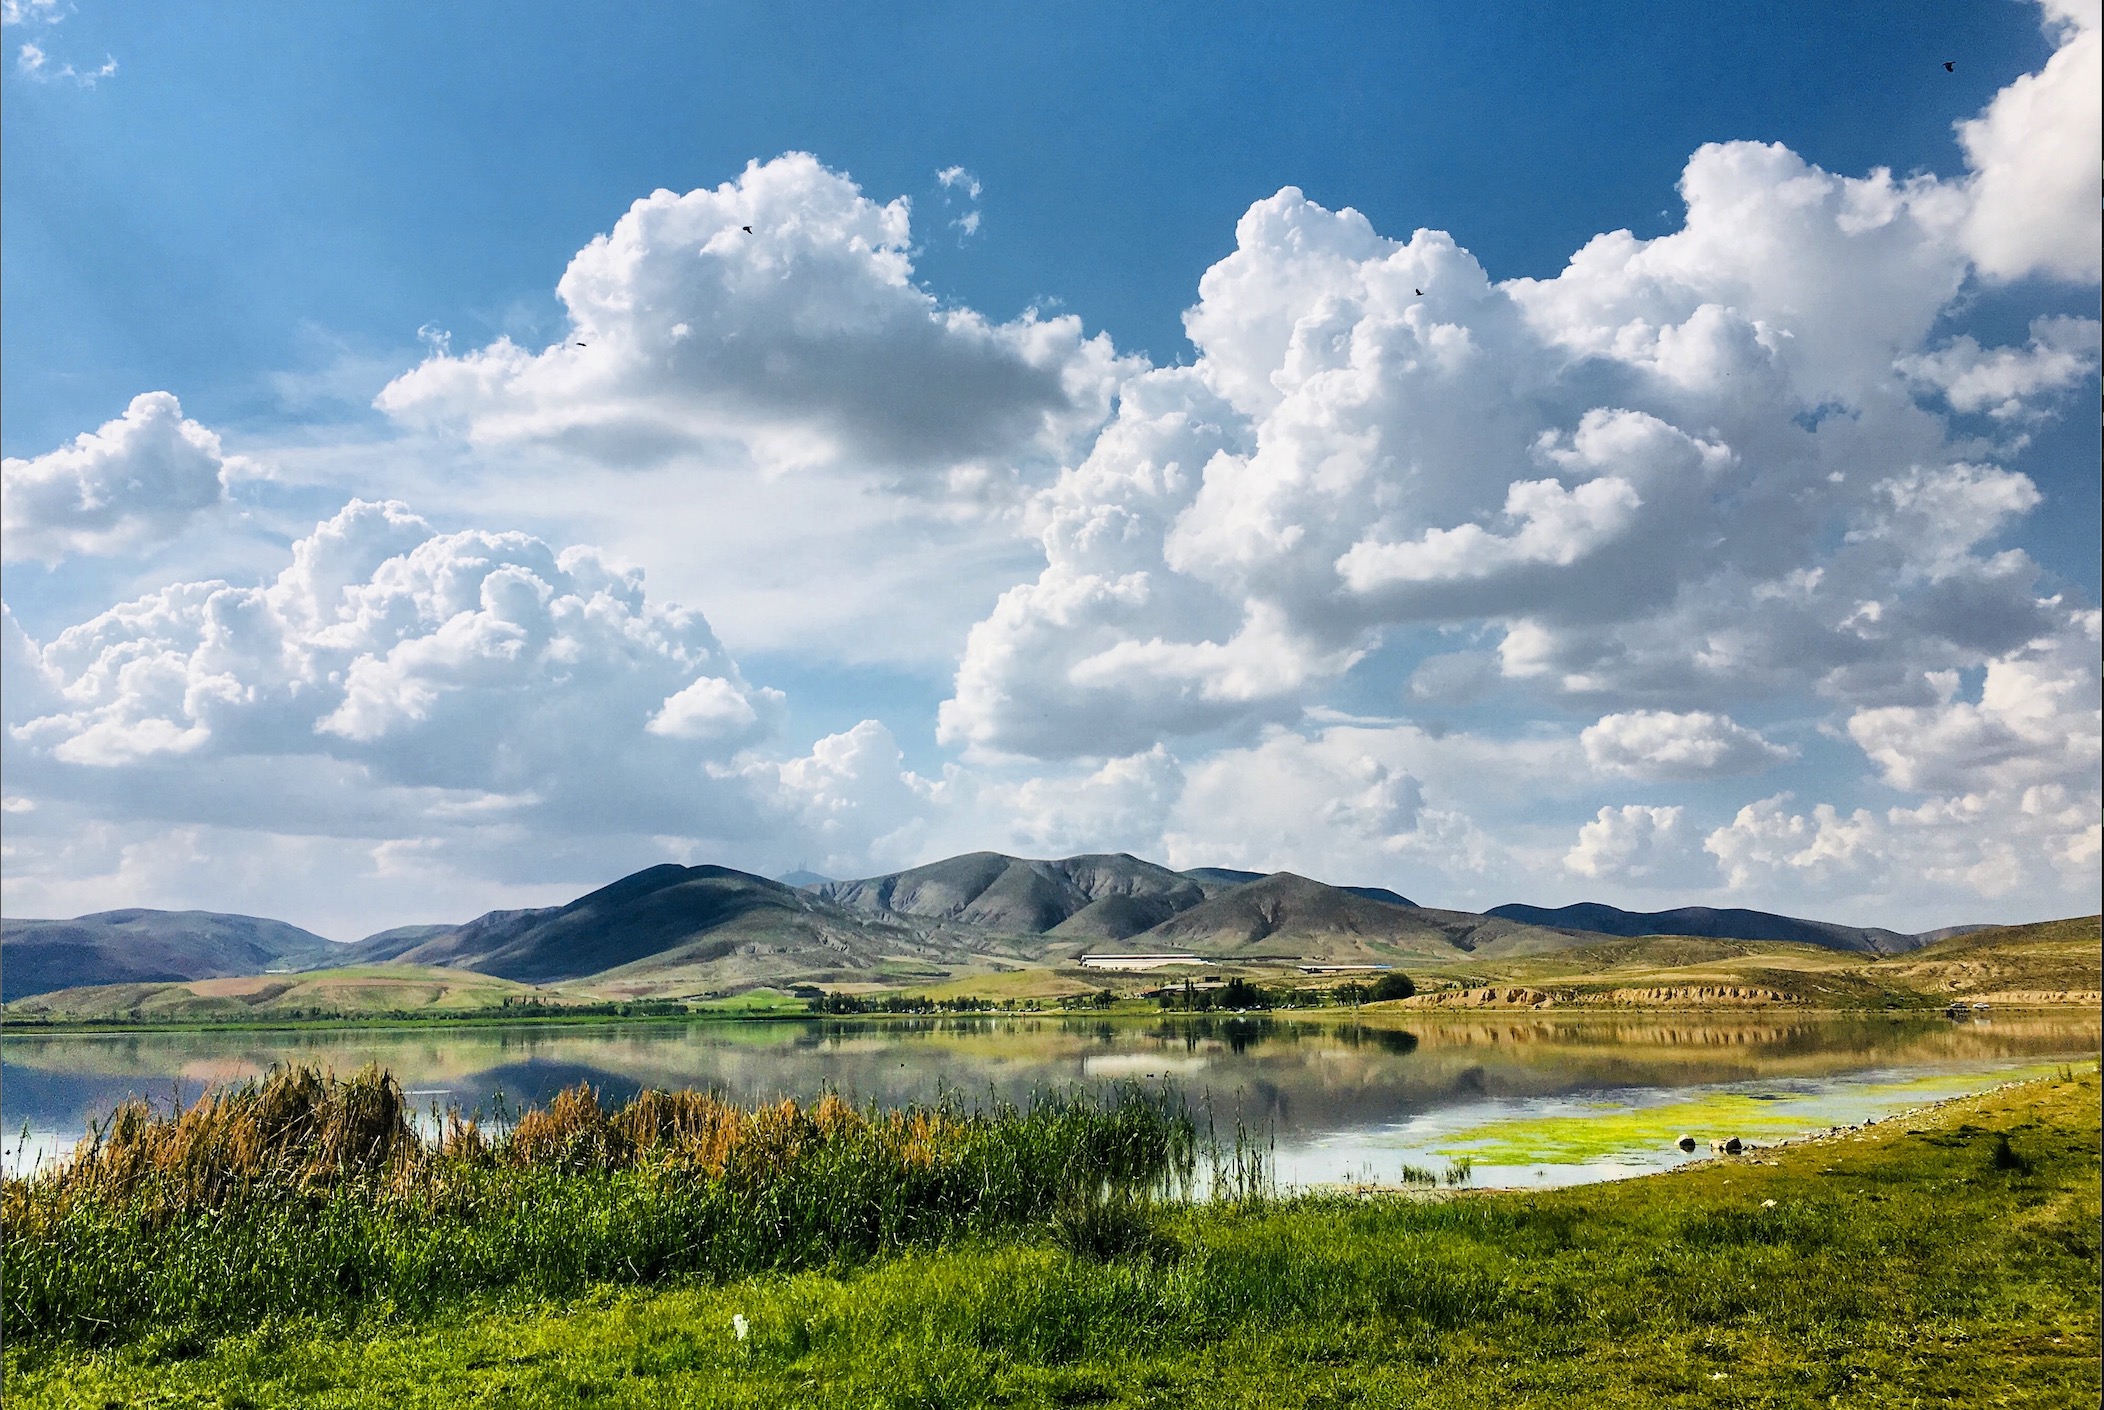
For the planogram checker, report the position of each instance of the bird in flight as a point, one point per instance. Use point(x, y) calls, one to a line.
point(746, 228)
point(1949, 67)
point(583, 345)
point(1420, 293)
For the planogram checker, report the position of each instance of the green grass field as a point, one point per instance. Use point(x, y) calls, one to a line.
point(1951, 1257)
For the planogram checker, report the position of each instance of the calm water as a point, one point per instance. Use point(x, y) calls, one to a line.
point(1529, 1100)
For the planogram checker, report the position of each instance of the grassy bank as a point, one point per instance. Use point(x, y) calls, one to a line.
point(1948, 1257)
point(300, 1194)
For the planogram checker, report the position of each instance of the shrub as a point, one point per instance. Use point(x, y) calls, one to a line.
point(1393, 985)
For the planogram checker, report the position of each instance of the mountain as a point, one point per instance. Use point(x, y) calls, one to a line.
point(142, 946)
point(385, 946)
point(1096, 896)
point(1712, 924)
point(1223, 876)
point(802, 877)
point(1380, 893)
point(671, 926)
point(1284, 916)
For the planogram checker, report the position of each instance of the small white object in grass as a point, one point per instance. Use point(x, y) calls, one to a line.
point(1767, 1204)
point(739, 1326)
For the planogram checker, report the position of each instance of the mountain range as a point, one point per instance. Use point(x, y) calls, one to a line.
point(143, 947)
point(672, 929)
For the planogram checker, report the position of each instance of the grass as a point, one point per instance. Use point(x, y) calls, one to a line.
point(1950, 1258)
point(303, 1194)
point(346, 992)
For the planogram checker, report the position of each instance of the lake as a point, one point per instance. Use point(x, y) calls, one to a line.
point(1528, 1100)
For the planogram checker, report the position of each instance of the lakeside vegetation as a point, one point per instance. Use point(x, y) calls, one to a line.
point(300, 1193)
point(1950, 1255)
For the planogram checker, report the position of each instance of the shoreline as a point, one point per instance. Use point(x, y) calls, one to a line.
point(1400, 1009)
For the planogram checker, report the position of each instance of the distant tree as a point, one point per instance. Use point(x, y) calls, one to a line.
point(1393, 985)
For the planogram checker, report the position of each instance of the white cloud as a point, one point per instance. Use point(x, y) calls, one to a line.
point(1821, 851)
point(2035, 152)
point(957, 176)
point(1121, 807)
point(31, 11)
point(2003, 381)
point(805, 343)
point(860, 809)
point(2011, 782)
point(33, 63)
point(2035, 724)
point(515, 679)
point(1640, 846)
point(957, 179)
point(1679, 469)
point(1383, 804)
point(133, 482)
point(1658, 744)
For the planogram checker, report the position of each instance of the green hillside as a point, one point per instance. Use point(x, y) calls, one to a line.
point(2049, 963)
point(361, 991)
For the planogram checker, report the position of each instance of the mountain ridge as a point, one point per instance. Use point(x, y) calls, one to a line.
point(138, 945)
point(1719, 924)
point(715, 928)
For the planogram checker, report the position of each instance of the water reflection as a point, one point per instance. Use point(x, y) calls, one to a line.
point(1344, 1100)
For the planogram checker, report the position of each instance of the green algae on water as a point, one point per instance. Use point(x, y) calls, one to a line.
point(1601, 1135)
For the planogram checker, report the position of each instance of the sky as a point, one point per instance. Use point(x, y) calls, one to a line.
point(458, 455)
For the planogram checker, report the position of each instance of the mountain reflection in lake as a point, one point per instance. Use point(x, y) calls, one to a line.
point(1342, 1100)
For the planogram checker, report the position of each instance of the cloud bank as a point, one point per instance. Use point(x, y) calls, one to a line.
point(1686, 569)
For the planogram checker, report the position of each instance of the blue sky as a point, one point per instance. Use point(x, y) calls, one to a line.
point(272, 217)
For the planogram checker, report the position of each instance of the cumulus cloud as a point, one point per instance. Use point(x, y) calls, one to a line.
point(1658, 744)
point(1357, 802)
point(1640, 846)
point(860, 809)
point(1122, 806)
point(2034, 155)
point(2035, 724)
point(131, 483)
point(805, 342)
point(2006, 382)
point(501, 677)
point(1820, 850)
point(1637, 472)
point(2007, 784)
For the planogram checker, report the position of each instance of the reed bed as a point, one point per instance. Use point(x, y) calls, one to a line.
point(303, 1194)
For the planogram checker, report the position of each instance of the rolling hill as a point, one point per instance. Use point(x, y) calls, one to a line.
point(350, 992)
point(1712, 924)
point(149, 947)
point(1105, 896)
point(1284, 917)
point(673, 928)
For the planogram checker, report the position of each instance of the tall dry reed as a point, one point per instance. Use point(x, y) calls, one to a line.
point(301, 1193)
